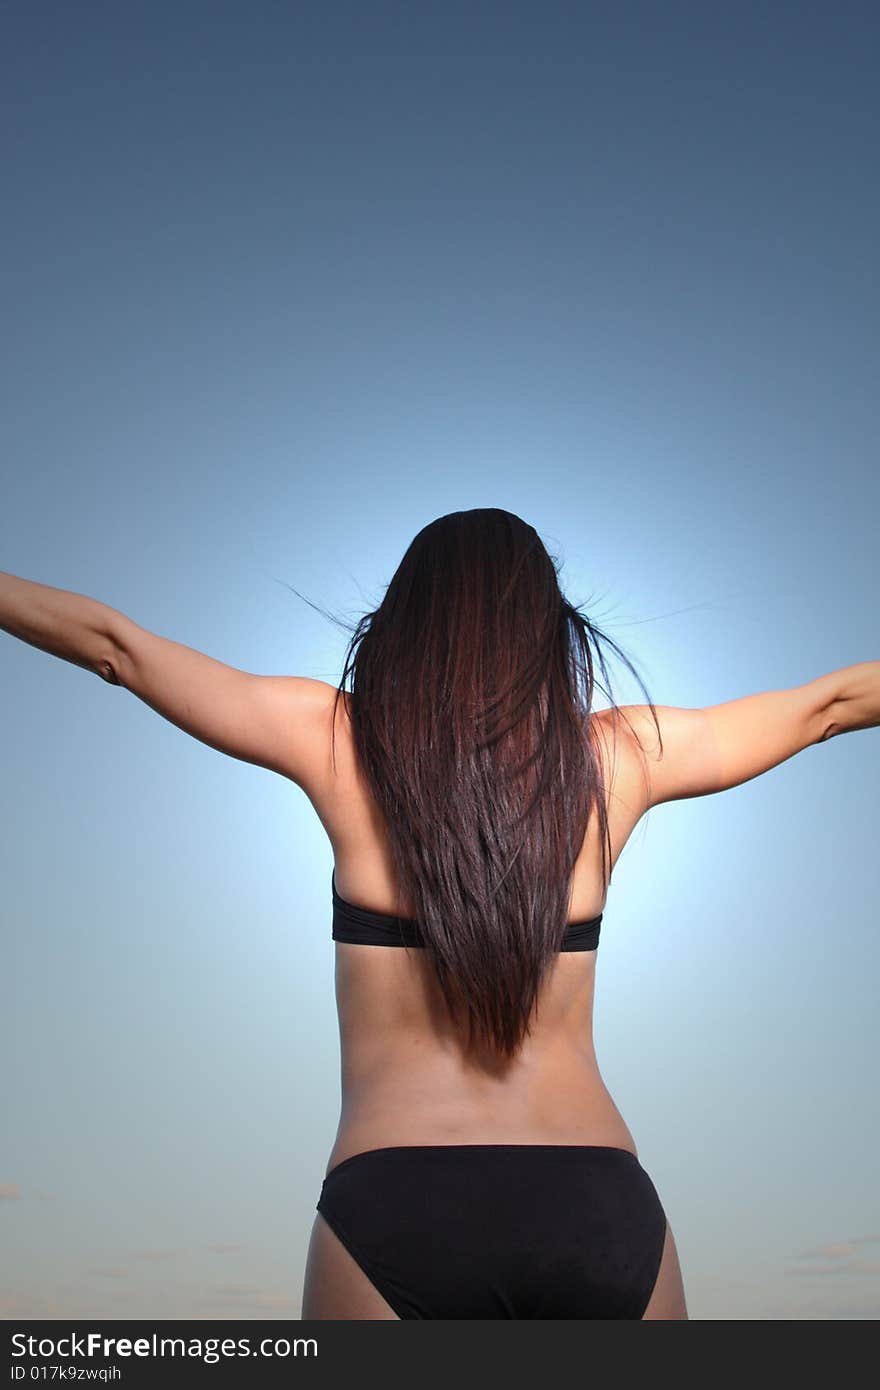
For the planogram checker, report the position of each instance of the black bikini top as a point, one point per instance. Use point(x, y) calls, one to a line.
point(364, 928)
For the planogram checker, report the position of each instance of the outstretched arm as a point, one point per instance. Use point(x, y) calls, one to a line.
point(721, 746)
point(64, 624)
point(275, 722)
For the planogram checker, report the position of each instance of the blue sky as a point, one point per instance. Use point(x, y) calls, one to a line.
point(282, 283)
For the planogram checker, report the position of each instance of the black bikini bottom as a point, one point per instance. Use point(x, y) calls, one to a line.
point(500, 1230)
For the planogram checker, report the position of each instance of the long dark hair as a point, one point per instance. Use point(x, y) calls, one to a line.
point(472, 685)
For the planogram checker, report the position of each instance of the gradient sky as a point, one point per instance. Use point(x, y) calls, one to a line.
point(283, 282)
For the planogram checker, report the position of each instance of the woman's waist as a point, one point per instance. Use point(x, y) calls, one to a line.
point(571, 1107)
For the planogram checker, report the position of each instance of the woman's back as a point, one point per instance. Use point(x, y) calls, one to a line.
point(464, 1183)
point(406, 1076)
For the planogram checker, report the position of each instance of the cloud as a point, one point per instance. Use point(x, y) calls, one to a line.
point(838, 1269)
point(274, 1300)
point(22, 1303)
point(110, 1272)
point(246, 1300)
point(220, 1248)
point(153, 1254)
point(838, 1258)
point(11, 1192)
point(838, 1249)
point(835, 1299)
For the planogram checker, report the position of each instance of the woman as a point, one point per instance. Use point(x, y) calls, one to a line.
point(476, 804)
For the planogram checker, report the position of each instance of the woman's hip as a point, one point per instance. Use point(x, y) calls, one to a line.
point(545, 1230)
